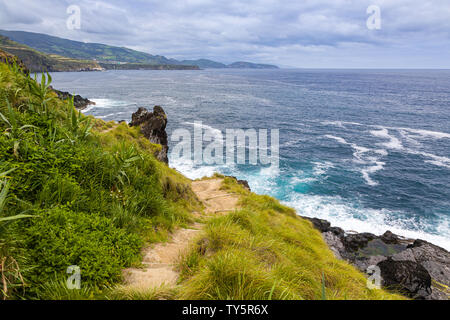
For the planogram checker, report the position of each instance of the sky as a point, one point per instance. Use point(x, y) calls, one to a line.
point(298, 33)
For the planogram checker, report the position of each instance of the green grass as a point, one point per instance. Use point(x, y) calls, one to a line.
point(94, 189)
point(264, 251)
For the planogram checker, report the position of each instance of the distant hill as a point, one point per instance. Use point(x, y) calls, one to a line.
point(250, 65)
point(111, 54)
point(37, 61)
point(204, 63)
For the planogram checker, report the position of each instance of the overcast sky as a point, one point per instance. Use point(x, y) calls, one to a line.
point(298, 33)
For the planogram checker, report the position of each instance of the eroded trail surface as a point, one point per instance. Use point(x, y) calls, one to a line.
point(160, 259)
point(214, 199)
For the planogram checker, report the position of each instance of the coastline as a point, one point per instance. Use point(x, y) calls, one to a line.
point(400, 259)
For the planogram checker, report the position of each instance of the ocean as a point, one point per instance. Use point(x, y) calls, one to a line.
point(368, 150)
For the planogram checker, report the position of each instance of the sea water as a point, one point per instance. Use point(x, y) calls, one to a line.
point(368, 150)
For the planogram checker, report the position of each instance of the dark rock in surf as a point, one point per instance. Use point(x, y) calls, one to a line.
point(78, 101)
point(153, 127)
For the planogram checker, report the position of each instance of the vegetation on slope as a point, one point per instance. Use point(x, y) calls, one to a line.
point(81, 50)
point(37, 61)
point(265, 251)
point(94, 191)
point(111, 55)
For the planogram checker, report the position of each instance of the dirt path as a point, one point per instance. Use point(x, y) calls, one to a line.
point(214, 199)
point(159, 259)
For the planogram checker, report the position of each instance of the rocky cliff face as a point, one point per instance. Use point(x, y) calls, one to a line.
point(153, 126)
point(416, 268)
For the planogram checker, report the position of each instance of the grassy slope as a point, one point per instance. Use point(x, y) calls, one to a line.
point(37, 61)
point(95, 191)
point(265, 251)
point(97, 194)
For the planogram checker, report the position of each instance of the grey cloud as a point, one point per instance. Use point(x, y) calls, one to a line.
point(263, 30)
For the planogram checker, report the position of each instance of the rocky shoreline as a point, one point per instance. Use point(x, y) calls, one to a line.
point(416, 268)
point(78, 101)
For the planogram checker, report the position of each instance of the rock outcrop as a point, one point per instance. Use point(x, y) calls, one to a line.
point(153, 126)
point(78, 101)
point(416, 268)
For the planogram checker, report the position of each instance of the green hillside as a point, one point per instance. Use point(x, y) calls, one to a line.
point(37, 61)
point(80, 50)
point(204, 63)
point(113, 55)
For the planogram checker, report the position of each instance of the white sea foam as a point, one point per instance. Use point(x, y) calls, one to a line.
point(321, 168)
point(366, 171)
point(420, 132)
point(106, 115)
point(338, 139)
point(298, 180)
point(435, 160)
point(365, 156)
point(104, 104)
point(393, 142)
point(428, 134)
point(354, 218)
point(190, 170)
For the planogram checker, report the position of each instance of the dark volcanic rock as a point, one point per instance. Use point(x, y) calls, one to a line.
point(78, 101)
point(319, 224)
point(408, 277)
point(390, 238)
point(325, 226)
point(409, 265)
point(435, 260)
point(353, 242)
point(153, 126)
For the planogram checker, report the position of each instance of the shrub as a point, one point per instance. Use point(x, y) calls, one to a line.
point(61, 238)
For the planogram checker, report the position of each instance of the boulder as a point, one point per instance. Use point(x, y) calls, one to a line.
point(389, 238)
point(153, 126)
point(78, 101)
point(408, 277)
point(353, 242)
point(435, 260)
